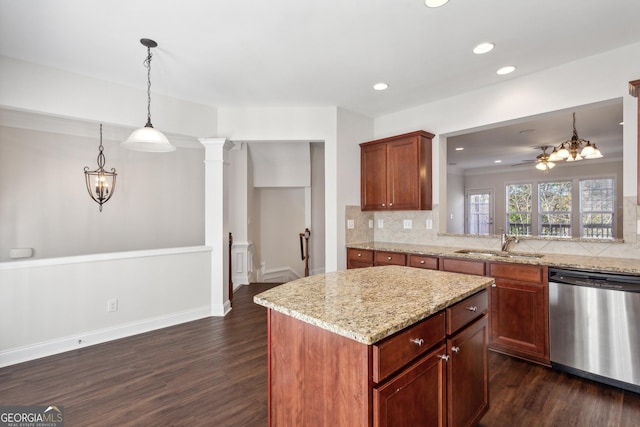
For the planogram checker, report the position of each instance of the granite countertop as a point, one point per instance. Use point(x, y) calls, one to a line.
point(369, 304)
point(595, 263)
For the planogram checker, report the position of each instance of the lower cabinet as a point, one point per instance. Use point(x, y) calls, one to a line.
point(520, 311)
point(422, 385)
point(359, 258)
point(449, 384)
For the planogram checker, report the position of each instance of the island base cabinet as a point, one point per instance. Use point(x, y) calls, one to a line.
point(468, 375)
point(421, 385)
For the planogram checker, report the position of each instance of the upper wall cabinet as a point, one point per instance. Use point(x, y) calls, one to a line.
point(396, 173)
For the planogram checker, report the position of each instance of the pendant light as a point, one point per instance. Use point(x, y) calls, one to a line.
point(104, 183)
point(147, 138)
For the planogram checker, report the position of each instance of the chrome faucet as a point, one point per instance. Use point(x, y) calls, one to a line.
point(507, 241)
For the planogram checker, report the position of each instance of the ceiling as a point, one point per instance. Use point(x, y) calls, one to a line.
point(241, 53)
point(519, 142)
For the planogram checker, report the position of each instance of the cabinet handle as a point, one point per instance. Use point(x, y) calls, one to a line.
point(444, 357)
point(389, 258)
point(359, 254)
point(455, 349)
point(390, 204)
point(493, 285)
point(383, 205)
point(421, 261)
point(418, 341)
point(472, 308)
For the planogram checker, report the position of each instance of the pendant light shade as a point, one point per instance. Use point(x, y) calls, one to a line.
point(147, 138)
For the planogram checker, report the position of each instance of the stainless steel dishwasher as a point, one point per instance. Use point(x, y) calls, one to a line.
point(594, 326)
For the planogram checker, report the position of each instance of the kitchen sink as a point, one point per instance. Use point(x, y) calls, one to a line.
point(498, 254)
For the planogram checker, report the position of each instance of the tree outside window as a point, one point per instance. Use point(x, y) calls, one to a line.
point(519, 209)
point(597, 208)
point(554, 201)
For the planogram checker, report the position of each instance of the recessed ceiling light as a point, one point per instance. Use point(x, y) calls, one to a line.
point(435, 3)
point(483, 48)
point(459, 148)
point(497, 161)
point(381, 86)
point(506, 70)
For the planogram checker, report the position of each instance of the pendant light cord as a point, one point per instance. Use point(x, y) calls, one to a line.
point(147, 64)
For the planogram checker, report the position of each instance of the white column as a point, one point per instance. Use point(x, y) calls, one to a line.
point(216, 227)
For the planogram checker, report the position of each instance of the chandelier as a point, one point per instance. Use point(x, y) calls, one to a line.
point(574, 149)
point(104, 183)
point(147, 138)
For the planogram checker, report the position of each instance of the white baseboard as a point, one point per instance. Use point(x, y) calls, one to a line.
point(280, 275)
point(221, 310)
point(48, 348)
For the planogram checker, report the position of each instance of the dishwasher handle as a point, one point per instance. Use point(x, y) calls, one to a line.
point(593, 282)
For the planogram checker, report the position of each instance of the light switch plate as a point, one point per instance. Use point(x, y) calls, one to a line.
point(407, 224)
point(350, 224)
point(380, 223)
point(429, 224)
point(370, 223)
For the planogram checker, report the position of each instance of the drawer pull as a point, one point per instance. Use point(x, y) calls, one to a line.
point(389, 258)
point(493, 285)
point(472, 308)
point(421, 261)
point(383, 205)
point(359, 254)
point(444, 357)
point(418, 341)
point(455, 349)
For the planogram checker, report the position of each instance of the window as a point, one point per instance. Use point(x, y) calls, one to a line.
point(596, 208)
point(480, 211)
point(519, 209)
point(554, 209)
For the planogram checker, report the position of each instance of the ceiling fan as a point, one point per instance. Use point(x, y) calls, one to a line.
point(542, 161)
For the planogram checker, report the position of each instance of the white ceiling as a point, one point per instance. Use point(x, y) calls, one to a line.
point(301, 53)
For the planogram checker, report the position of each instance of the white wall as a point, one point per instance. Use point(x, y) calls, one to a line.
point(44, 204)
point(455, 203)
point(55, 305)
point(282, 219)
point(317, 245)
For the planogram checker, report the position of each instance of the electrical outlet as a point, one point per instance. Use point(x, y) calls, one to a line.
point(639, 226)
point(407, 224)
point(429, 224)
point(112, 305)
point(370, 223)
point(380, 223)
point(350, 224)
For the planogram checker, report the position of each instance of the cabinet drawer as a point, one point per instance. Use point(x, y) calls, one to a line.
point(423, 261)
point(360, 255)
point(394, 352)
point(466, 310)
point(462, 266)
point(390, 258)
point(520, 272)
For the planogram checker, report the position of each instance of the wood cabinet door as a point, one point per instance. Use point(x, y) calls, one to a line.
point(468, 377)
point(373, 177)
point(415, 397)
point(403, 174)
point(520, 319)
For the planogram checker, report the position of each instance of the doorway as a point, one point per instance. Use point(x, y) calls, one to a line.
point(479, 211)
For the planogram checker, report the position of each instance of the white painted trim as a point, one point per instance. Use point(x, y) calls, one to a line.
point(282, 274)
point(89, 338)
point(221, 310)
point(45, 262)
point(240, 263)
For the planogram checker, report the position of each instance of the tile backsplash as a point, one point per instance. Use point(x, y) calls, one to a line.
point(393, 231)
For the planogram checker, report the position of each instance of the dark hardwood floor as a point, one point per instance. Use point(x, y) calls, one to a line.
point(212, 372)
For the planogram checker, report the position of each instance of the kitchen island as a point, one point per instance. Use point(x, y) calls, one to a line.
point(380, 346)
